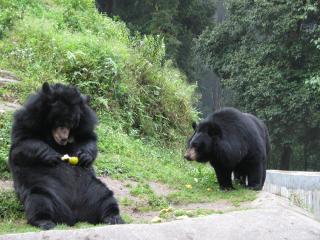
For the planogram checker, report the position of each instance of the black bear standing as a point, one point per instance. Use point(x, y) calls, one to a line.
point(56, 121)
point(232, 141)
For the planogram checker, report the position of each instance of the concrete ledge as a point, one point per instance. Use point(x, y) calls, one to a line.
point(273, 218)
point(301, 188)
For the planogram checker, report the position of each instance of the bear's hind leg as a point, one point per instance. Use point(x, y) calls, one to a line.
point(39, 211)
point(255, 176)
point(99, 205)
point(110, 211)
point(240, 176)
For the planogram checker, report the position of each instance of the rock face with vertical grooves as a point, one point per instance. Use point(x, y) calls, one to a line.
point(302, 188)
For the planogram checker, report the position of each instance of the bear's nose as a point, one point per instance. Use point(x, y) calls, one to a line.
point(186, 156)
point(194, 144)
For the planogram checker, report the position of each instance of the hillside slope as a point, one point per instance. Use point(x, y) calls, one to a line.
point(143, 103)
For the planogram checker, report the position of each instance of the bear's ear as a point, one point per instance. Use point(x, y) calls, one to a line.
point(214, 130)
point(46, 88)
point(194, 125)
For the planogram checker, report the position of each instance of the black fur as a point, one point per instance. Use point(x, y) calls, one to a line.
point(232, 141)
point(51, 190)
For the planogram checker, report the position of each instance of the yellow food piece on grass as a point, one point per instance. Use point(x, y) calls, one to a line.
point(196, 180)
point(189, 186)
point(209, 189)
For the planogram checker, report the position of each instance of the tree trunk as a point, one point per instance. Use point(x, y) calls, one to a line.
point(305, 156)
point(286, 156)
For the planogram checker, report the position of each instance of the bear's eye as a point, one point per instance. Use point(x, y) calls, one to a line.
point(210, 132)
point(214, 131)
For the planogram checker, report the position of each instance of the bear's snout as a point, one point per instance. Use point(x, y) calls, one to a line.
point(190, 154)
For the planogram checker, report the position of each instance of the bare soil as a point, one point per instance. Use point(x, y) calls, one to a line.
point(121, 190)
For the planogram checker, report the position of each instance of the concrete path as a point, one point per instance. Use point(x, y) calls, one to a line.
point(268, 217)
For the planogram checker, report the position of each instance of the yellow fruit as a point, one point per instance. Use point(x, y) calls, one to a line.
point(73, 160)
point(209, 189)
point(188, 186)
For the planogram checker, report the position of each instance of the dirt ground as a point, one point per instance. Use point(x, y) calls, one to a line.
point(121, 191)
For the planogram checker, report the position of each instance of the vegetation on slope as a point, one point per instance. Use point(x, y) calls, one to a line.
point(144, 104)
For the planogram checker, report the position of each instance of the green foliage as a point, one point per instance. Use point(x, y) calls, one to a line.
point(10, 207)
point(177, 21)
point(143, 102)
point(5, 126)
point(68, 41)
point(125, 158)
point(154, 202)
point(10, 11)
point(267, 53)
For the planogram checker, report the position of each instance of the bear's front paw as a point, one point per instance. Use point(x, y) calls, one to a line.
point(85, 159)
point(44, 224)
point(113, 220)
point(52, 160)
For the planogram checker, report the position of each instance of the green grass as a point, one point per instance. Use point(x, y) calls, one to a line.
point(143, 102)
point(174, 213)
point(68, 41)
point(126, 157)
point(5, 126)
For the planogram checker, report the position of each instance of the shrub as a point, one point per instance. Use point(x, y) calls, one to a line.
point(127, 77)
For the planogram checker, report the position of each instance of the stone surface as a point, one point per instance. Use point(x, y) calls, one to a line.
point(302, 188)
point(7, 106)
point(294, 179)
point(5, 78)
point(272, 218)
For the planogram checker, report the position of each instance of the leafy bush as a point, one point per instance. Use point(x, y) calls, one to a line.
point(10, 207)
point(68, 41)
point(5, 125)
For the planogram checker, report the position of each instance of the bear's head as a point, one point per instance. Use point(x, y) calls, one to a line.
point(201, 146)
point(63, 110)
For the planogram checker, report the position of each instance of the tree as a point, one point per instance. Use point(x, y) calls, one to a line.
point(178, 21)
point(267, 53)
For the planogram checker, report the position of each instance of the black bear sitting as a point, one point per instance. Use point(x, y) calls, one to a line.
point(56, 121)
point(232, 141)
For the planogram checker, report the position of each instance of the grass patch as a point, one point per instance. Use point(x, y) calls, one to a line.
point(69, 42)
point(5, 126)
point(176, 213)
point(143, 102)
point(10, 208)
point(125, 157)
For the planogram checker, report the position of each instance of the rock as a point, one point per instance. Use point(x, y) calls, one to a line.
point(7, 106)
point(7, 77)
point(182, 217)
point(156, 220)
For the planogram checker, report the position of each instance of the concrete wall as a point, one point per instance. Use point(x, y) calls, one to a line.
point(302, 188)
